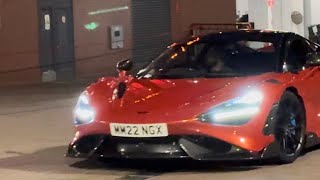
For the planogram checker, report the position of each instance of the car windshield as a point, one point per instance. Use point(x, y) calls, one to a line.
point(213, 58)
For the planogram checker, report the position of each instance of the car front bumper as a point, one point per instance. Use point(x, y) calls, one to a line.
point(172, 147)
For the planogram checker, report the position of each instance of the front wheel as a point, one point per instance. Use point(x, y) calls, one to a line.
point(291, 128)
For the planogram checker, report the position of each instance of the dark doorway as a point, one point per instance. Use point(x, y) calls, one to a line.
point(56, 38)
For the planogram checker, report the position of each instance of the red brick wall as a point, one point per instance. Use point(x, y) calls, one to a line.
point(92, 48)
point(94, 57)
point(18, 42)
point(186, 12)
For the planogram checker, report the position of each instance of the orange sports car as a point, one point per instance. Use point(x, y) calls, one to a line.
point(225, 96)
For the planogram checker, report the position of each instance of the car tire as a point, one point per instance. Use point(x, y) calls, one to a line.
point(290, 131)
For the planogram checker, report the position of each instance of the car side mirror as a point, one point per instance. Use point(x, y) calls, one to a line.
point(125, 65)
point(313, 59)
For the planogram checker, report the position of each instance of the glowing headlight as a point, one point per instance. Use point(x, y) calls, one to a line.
point(83, 113)
point(235, 112)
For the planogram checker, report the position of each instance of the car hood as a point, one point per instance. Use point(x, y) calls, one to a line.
point(170, 100)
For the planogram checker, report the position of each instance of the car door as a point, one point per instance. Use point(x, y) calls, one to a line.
point(307, 79)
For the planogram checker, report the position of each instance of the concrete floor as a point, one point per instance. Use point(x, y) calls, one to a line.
point(36, 126)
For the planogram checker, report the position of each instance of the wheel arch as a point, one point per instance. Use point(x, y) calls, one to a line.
point(273, 150)
point(271, 121)
point(295, 91)
point(312, 138)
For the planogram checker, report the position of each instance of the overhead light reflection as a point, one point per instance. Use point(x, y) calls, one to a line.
point(104, 11)
point(172, 45)
point(193, 41)
point(174, 56)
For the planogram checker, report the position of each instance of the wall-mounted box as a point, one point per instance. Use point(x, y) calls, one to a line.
point(117, 37)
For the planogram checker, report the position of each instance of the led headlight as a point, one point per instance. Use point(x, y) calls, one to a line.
point(84, 112)
point(235, 112)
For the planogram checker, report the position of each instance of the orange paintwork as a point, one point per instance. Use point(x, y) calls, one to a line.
point(179, 102)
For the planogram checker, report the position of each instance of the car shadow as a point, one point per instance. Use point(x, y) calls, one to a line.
point(144, 169)
point(52, 160)
point(169, 166)
point(310, 150)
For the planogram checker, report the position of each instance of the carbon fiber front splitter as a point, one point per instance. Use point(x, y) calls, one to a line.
point(173, 147)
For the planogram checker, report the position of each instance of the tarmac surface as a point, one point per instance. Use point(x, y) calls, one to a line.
point(36, 126)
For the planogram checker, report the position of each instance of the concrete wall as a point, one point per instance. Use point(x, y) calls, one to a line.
point(242, 7)
point(92, 47)
point(312, 13)
point(288, 7)
point(18, 42)
point(278, 16)
point(312, 8)
point(186, 12)
point(258, 13)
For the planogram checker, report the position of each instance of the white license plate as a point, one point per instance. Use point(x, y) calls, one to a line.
point(139, 130)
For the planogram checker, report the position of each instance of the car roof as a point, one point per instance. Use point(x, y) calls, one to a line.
point(250, 32)
point(263, 31)
point(244, 32)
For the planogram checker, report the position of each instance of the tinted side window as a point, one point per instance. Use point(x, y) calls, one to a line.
point(297, 53)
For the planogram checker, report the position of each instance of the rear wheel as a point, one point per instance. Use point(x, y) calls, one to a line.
point(290, 129)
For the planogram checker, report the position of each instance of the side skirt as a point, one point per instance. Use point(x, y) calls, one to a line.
point(312, 140)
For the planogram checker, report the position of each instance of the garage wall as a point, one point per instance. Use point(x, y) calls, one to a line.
point(258, 13)
point(151, 24)
point(242, 7)
point(19, 58)
point(278, 16)
point(312, 14)
point(18, 42)
point(92, 46)
point(186, 12)
point(312, 9)
point(289, 6)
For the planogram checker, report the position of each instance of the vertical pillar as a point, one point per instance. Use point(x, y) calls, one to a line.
point(270, 15)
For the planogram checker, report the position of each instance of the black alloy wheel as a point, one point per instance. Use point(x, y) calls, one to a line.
point(290, 131)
